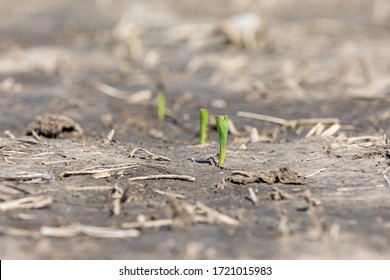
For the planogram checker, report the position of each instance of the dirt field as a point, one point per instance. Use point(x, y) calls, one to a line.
point(306, 84)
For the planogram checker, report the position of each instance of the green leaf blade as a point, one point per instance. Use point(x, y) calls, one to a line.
point(204, 118)
point(161, 105)
point(223, 129)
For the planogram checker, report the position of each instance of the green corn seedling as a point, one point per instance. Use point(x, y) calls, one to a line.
point(160, 105)
point(204, 118)
point(223, 129)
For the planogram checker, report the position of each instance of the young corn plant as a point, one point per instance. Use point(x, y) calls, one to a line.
point(161, 105)
point(223, 129)
point(204, 118)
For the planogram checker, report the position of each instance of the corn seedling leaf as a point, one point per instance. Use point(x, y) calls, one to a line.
point(204, 118)
point(160, 105)
point(223, 129)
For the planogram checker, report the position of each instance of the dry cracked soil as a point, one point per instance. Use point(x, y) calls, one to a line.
point(88, 171)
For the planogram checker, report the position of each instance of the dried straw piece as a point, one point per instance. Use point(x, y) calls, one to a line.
point(314, 173)
point(170, 193)
point(366, 138)
point(315, 130)
point(149, 224)
point(262, 118)
point(331, 130)
point(387, 179)
point(252, 196)
point(64, 232)
point(25, 176)
point(153, 156)
point(92, 172)
point(285, 122)
point(9, 134)
point(217, 215)
point(353, 189)
point(30, 202)
point(164, 176)
point(109, 137)
point(104, 232)
point(99, 232)
point(186, 212)
point(89, 188)
point(134, 98)
point(19, 232)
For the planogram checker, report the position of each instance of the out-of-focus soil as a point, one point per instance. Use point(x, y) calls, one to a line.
point(311, 184)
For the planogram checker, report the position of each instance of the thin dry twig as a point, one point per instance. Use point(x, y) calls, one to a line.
point(101, 175)
point(153, 156)
point(24, 176)
point(109, 136)
point(315, 130)
point(262, 118)
point(62, 232)
point(285, 122)
point(104, 232)
point(253, 196)
point(331, 130)
point(212, 216)
point(365, 138)
point(89, 188)
point(109, 90)
point(314, 173)
point(217, 215)
point(149, 224)
point(170, 193)
point(19, 232)
point(36, 136)
point(386, 179)
point(205, 145)
point(134, 98)
point(9, 190)
point(353, 189)
point(164, 176)
point(57, 161)
point(232, 129)
point(92, 231)
point(30, 202)
point(91, 172)
point(110, 166)
point(9, 134)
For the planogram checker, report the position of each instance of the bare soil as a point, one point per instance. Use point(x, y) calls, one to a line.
point(88, 171)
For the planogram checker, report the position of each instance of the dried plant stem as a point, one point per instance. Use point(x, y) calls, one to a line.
point(164, 176)
point(170, 193)
point(149, 224)
point(315, 173)
point(91, 172)
point(19, 232)
point(262, 118)
point(253, 196)
point(285, 122)
point(30, 202)
point(89, 188)
point(218, 216)
point(153, 156)
point(92, 231)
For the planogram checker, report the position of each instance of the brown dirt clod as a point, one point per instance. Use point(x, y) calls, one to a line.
point(54, 126)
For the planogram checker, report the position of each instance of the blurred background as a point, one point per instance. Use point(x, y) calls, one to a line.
point(287, 58)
